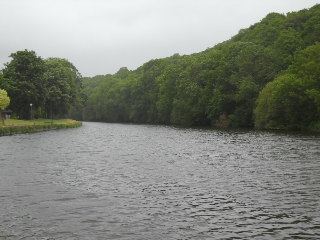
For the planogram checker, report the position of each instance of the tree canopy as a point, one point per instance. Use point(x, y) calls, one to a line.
point(4, 99)
point(292, 100)
point(220, 86)
point(52, 86)
point(25, 84)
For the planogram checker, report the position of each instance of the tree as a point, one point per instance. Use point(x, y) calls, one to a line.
point(267, 31)
point(292, 100)
point(311, 32)
point(167, 91)
point(24, 80)
point(63, 84)
point(189, 103)
point(4, 101)
point(284, 104)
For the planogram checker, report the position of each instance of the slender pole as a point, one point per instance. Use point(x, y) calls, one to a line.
point(31, 111)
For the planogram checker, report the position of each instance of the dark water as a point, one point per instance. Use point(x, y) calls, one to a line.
point(113, 181)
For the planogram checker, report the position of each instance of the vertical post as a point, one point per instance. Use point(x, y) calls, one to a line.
point(31, 111)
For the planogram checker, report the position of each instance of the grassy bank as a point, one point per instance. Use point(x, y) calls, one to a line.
point(13, 126)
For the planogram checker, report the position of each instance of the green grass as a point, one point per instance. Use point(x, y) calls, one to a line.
point(13, 126)
point(14, 122)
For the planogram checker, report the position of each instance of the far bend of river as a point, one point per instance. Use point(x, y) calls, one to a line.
point(118, 181)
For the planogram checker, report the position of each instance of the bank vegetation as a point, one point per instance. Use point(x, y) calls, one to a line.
point(11, 127)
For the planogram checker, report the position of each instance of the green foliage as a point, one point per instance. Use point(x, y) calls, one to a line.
point(24, 82)
point(63, 85)
point(292, 101)
point(267, 31)
point(166, 94)
point(220, 85)
point(53, 86)
point(4, 99)
point(283, 104)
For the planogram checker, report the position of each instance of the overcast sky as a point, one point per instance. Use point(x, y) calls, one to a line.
point(100, 36)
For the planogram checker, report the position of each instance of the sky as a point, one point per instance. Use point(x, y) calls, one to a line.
point(101, 36)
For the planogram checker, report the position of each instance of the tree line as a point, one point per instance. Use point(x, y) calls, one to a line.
point(266, 76)
point(51, 87)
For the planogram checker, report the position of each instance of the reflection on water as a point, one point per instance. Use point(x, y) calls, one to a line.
point(115, 181)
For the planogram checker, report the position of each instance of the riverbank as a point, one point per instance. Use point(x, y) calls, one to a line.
point(13, 126)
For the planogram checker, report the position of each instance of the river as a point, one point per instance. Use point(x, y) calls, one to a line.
point(123, 181)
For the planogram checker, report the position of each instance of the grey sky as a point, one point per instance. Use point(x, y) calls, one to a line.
point(100, 36)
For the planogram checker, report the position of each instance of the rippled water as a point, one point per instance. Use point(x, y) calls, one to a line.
point(115, 181)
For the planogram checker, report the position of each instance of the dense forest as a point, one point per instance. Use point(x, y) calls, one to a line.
point(267, 76)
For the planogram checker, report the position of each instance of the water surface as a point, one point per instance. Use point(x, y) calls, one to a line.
point(117, 181)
